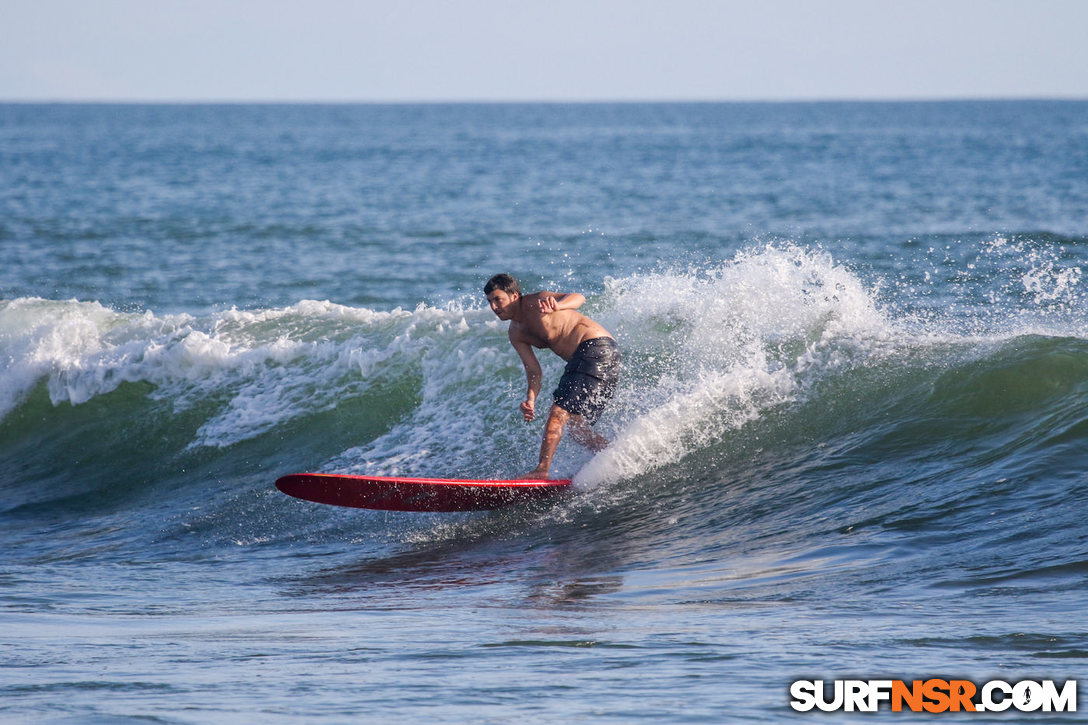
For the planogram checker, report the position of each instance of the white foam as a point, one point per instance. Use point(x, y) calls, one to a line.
point(271, 365)
point(65, 343)
point(736, 340)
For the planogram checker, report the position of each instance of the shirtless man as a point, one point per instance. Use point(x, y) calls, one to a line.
point(551, 320)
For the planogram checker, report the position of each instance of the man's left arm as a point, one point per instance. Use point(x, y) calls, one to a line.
point(552, 301)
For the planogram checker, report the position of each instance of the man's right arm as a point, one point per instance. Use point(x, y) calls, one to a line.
point(533, 376)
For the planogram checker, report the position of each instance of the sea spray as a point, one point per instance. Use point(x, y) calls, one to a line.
point(736, 340)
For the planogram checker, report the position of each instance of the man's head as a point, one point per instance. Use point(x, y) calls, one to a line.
point(502, 291)
point(504, 282)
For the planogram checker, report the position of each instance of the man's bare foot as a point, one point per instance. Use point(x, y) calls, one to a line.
point(534, 475)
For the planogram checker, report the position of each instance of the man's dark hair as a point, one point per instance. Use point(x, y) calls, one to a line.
point(505, 282)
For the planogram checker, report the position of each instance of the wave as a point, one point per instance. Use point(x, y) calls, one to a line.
point(775, 362)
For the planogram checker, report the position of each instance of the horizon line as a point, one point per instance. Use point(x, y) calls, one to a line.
point(533, 101)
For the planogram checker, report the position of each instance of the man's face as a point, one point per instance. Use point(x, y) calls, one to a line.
point(502, 303)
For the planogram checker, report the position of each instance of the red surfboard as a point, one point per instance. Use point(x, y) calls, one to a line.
point(417, 494)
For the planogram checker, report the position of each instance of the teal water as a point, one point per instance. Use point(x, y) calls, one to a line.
point(850, 439)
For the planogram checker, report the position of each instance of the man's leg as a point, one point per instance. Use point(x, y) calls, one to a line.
point(553, 433)
point(582, 432)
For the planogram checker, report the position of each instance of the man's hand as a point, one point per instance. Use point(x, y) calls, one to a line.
point(528, 410)
point(548, 304)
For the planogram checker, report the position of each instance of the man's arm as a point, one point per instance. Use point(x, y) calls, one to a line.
point(533, 376)
point(552, 301)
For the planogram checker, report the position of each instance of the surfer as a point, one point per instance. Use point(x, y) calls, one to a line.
point(551, 320)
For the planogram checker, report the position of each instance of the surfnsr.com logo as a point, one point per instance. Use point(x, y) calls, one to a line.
point(934, 695)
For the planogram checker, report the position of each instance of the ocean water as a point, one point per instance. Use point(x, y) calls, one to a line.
point(851, 440)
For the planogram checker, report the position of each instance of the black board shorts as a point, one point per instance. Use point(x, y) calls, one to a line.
point(590, 378)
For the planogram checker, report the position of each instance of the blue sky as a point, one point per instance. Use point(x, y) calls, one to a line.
point(509, 50)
